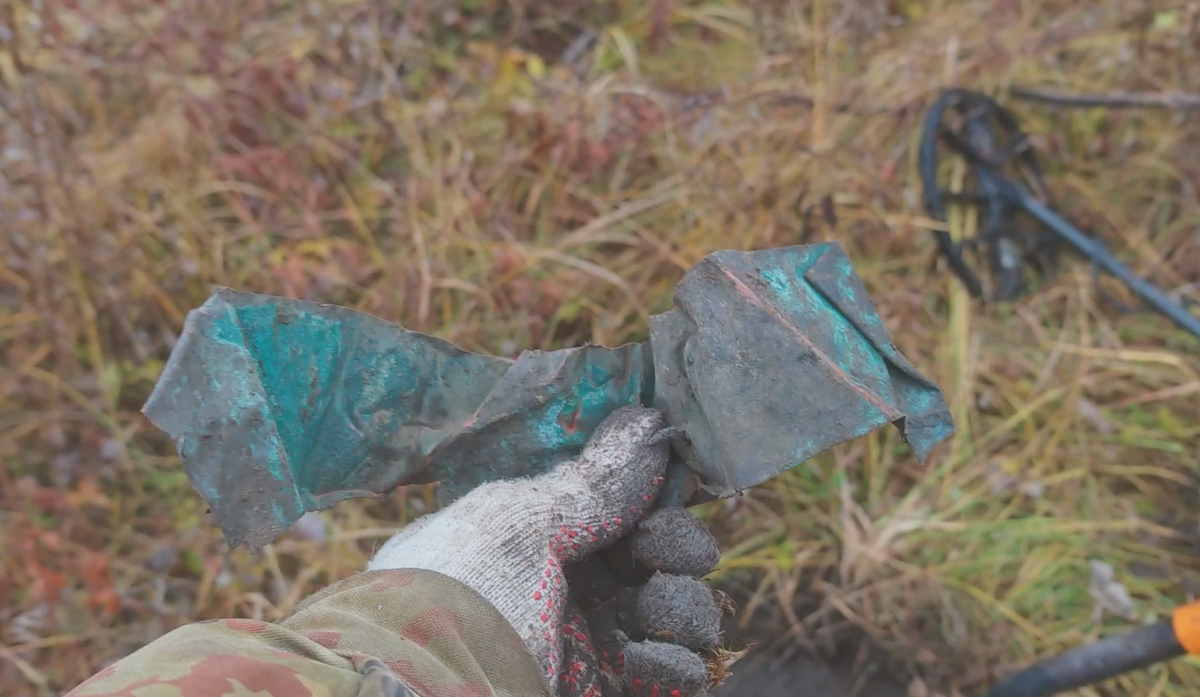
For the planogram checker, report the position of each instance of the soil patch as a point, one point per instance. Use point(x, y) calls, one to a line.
point(841, 663)
point(804, 676)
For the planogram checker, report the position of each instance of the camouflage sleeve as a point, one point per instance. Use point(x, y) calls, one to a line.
point(378, 634)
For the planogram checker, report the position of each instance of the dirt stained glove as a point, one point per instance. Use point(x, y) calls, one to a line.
point(509, 540)
point(654, 623)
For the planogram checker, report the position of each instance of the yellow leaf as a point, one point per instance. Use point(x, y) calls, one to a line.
point(506, 72)
point(110, 382)
point(88, 493)
point(318, 248)
point(480, 49)
point(299, 48)
point(912, 10)
point(1164, 21)
point(202, 86)
point(784, 556)
point(8, 69)
point(535, 66)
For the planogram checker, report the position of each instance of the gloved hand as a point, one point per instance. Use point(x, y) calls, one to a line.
point(509, 541)
point(652, 620)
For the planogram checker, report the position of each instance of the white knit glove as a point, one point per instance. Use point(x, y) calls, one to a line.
point(508, 540)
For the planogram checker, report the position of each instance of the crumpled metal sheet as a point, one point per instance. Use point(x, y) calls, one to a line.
point(772, 356)
point(282, 406)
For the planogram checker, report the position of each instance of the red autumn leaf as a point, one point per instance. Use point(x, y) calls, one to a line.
point(46, 585)
point(598, 154)
point(49, 539)
point(105, 600)
point(94, 570)
point(86, 493)
point(49, 500)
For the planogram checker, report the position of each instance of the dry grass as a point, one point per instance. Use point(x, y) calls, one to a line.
point(425, 167)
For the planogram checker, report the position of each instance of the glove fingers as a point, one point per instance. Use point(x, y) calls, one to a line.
point(674, 541)
point(671, 541)
point(675, 612)
point(678, 616)
point(657, 669)
point(681, 610)
point(648, 587)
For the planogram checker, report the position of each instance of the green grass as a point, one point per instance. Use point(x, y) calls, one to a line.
point(449, 174)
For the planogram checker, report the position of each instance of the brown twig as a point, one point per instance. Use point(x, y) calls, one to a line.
point(1112, 100)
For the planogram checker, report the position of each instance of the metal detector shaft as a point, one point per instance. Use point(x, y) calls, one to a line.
point(1090, 664)
point(1098, 254)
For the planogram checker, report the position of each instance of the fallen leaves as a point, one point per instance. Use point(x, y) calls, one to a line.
point(50, 564)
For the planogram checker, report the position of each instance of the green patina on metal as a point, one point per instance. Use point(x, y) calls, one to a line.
point(280, 406)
